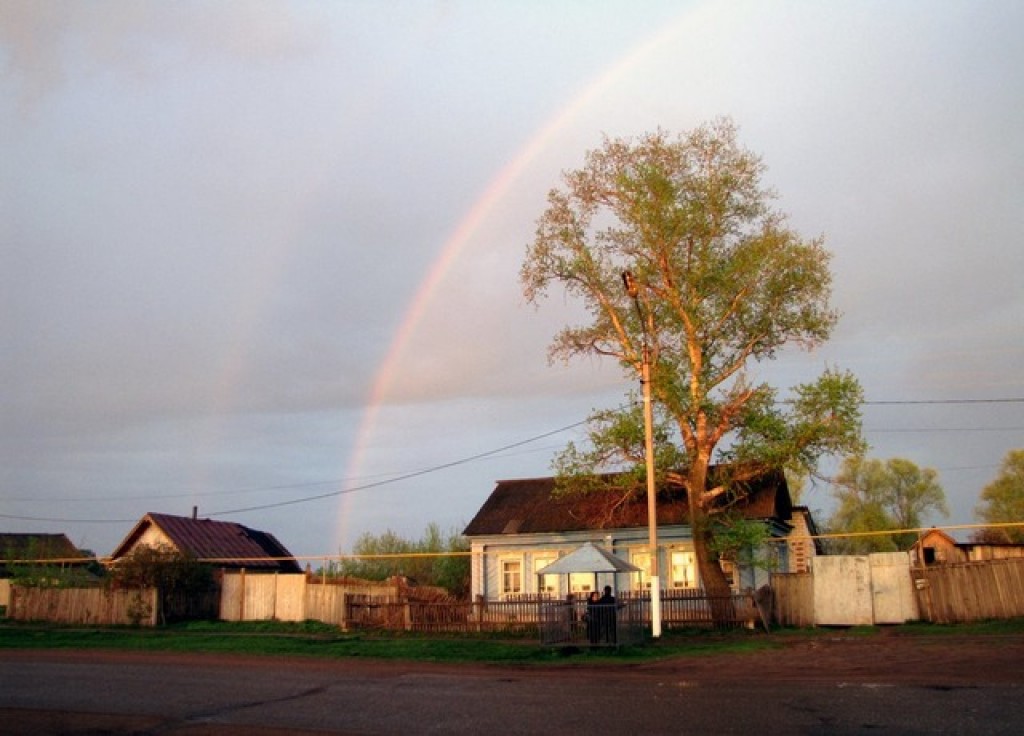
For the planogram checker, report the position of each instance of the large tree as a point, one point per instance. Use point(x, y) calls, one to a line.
point(1002, 501)
point(722, 284)
point(876, 496)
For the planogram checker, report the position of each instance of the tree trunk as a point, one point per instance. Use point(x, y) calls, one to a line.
point(716, 587)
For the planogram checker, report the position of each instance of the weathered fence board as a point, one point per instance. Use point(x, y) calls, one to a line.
point(325, 603)
point(793, 598)
point(249, 596)
point(99, 606)
point(970, 591)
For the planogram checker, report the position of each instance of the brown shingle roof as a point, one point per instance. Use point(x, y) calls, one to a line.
point(527, 506)
point(39, 547)
point(225, 543)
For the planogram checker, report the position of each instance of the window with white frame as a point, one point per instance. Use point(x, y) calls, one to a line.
point(511, 576)
point(547, 584)
point(642, 559)
point(684, 570)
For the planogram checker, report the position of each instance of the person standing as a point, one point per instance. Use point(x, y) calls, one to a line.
point(593, 618)
point(606, 609)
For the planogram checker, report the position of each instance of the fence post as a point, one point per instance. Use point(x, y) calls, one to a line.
point(157, 602)
point(478, 612)
point(342, 601)
point(241, 594)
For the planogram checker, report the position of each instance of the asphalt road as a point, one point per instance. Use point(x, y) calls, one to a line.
point(110, 693)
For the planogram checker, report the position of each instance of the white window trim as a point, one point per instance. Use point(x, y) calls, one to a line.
point(502, 561)
point(540, 561)
point(641, 557)
point(693, 582)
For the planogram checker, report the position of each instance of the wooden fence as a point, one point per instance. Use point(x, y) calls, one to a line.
point(98, 606)
point(689, 608)
point(970, 591)
point(793, 599)
point(283, 597)
point(524, 614)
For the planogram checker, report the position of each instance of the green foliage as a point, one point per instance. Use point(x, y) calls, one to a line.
point(1002, 500)
point(37, 571)
point(436, 558)
point(162, 568)
point(743, 541)
point(722, 284)
point(877, 496)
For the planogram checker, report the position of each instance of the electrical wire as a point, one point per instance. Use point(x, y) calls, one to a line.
point(490, 453)
point(331, 494)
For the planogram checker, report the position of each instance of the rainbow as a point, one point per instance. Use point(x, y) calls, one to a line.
point(471, 223)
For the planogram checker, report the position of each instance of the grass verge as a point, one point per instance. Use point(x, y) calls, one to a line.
point(313, 639)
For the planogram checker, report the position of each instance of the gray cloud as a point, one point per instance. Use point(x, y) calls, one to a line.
point(215, 223)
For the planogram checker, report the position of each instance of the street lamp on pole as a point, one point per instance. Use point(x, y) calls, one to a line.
point(652, 508)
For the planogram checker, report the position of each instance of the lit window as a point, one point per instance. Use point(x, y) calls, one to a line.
point(643, 561)
point(684, 570)
point(547, 583)
point(511, 577)
point(581, 582)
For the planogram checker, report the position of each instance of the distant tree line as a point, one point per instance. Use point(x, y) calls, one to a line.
point(896, 495)
point(437, 558)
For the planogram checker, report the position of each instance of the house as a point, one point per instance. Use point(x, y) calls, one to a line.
point(935, 547)
point(522, 528)
point(49, 549)
point(224, 544)
point(44, 558)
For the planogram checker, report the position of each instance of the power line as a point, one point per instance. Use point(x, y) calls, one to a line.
point(256, 489)
point(480, 456)
point(330, 494)
point(407, 476)
point(947, 429)
point(911, 402)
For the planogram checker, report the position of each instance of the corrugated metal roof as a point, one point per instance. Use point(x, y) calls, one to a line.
point(528, 506)
point(224, 543)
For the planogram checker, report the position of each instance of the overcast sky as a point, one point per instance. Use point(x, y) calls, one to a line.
point(262, 257)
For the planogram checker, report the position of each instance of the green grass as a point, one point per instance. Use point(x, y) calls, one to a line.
point(977, 628)
point(320, 640)
point(313, 639)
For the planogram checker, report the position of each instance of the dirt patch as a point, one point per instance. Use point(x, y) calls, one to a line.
point(943, 660)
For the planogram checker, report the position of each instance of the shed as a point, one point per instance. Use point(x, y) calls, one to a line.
point(568, 622)
point(588, 557)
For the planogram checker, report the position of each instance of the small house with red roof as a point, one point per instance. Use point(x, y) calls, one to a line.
point(223, 544)
point(524, 526)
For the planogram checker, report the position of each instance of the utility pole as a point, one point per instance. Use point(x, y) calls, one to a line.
point(652, 506)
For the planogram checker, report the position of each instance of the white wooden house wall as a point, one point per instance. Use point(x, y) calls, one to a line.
point(489, 552)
